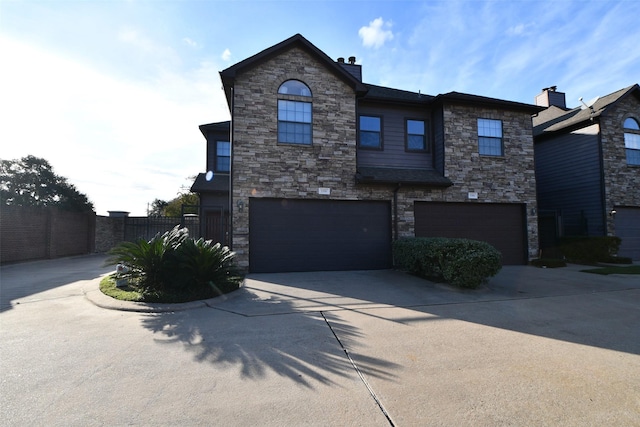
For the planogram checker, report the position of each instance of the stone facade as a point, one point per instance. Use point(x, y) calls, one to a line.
point(506, 179)
point(263, 168)
point(621, 181)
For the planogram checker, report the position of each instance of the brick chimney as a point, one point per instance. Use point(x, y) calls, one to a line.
point(352, 68)
point(550, 96)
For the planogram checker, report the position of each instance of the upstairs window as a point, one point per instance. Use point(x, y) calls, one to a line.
point(490, 137)
point(223, 156)
point(294, 87)
point(416, 135)
point(294, 113)
point(371, 132)
point(632, 141)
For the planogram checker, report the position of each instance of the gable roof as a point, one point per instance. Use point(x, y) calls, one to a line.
point(389, 94)
point(228, 75)
point(555, 119)
point(483, 101)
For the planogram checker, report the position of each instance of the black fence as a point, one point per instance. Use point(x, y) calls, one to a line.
point(144, 227)
point(213, 225)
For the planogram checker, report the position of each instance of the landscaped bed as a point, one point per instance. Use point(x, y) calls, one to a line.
point(171, 268)
point(633, 269)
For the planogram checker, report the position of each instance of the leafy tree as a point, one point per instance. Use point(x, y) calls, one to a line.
point(31, 181)
point(174, 207)
point(157, 208)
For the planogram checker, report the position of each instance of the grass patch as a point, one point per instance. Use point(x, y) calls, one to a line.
point(108, 287)
point(634, 269)
point(130, 293)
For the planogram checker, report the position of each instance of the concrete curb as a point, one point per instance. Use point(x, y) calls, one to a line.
point(97, 298)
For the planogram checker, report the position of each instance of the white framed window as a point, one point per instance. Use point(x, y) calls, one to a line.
point(490, 137)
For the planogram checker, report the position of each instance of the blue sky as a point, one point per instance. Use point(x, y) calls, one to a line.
point(111, 93)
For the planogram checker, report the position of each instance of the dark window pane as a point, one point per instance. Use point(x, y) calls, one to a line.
point(415, 142)
point(370, 139)
point(370, 123)
point(294, 87)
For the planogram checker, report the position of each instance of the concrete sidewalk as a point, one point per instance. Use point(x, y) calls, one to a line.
point(533, 347)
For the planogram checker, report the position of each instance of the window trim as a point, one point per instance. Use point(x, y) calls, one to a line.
point(635, 133)
point(425, 135)
point(310, 95)
point(216, 156)
point(381, 132)
point(501, 138)
point(296, 98)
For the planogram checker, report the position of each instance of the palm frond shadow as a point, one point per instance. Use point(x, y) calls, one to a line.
point(301, 347)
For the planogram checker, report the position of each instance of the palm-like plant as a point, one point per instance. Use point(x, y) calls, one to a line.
point(205, 264)
point(149, 263)
point(172, 263)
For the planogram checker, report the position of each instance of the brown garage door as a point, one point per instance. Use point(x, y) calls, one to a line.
point(315, 235)
point(501, 225)
point(627, 222)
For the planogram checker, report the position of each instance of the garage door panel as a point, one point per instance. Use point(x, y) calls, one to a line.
point(627, 224)
point(314, 235)
point(501, 225)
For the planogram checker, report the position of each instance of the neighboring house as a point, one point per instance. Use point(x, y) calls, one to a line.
point(588, 168)
point(213, 186)
point(327, 171)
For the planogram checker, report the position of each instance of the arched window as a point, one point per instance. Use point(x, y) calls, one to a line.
point(631, 123)
point(294, 113)
point(294, 87)
point(632, 141)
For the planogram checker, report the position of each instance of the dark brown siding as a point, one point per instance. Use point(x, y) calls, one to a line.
point(315, 235)
point(501, 225)
point(627, 221)
point(569, 182)
point(393, 139)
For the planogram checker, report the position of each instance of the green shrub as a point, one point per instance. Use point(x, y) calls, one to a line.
point(618, 260)
point(589, 250)
point(462, 262)
point(172, 267)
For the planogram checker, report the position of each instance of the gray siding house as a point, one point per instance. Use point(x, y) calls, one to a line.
point(326, 170)
point(588, 168)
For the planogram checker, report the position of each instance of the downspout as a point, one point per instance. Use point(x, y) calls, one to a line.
point(603, 192)
point(230, 222)
point(395, 212)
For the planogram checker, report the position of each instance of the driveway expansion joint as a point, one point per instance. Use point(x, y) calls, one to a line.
point(359, 372)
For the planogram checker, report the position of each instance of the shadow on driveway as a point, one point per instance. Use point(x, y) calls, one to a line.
point(28, 278)
point(562, 304)
point(301, 345)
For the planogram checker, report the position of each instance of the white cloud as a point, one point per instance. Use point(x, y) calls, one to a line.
point(376, 34)
point(190, 42)
point(226, 55)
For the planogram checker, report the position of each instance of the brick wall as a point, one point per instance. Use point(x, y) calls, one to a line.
point(621, 181)
point(33, 233)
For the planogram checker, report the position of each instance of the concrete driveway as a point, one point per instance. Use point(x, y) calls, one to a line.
point(534, 347)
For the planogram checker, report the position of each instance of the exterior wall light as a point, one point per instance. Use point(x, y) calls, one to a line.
point(613, 212)
point(240, 205)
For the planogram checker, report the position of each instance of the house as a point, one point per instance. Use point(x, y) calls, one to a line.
point(327, 170)
point(588, 167)
point(213, 186)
